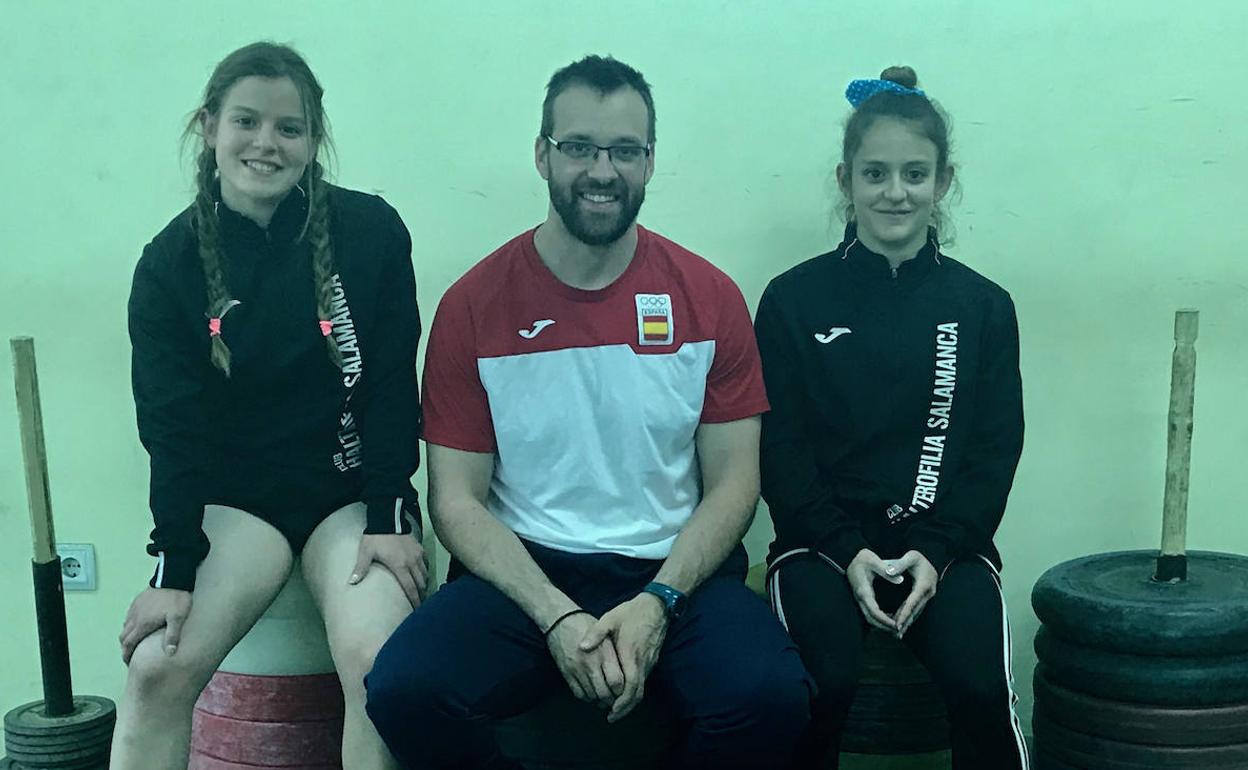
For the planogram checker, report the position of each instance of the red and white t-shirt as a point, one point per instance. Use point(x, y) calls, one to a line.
point(591, 399)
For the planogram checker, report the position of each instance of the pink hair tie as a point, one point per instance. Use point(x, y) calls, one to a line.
point(326, 328)
point(214, 327)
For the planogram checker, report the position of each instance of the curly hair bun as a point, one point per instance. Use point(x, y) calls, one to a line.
point(902, 76)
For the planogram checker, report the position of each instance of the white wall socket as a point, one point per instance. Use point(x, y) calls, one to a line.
point(77, 566)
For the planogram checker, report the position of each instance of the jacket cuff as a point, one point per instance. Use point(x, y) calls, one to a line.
point(174, 570)
point(934, 551)
point(389, 516)
point(843, 548)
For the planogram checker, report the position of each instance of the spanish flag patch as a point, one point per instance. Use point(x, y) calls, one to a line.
point(654, 319)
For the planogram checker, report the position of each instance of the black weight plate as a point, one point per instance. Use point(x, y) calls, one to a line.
point(895, 737)
point(1096, 753)
point(1042, 761)
point(22, 752)
point(92, 735)
point(926, 760)
point(1161, 681)
point(621, 764)
point(900, 673)
point(89, 711)
point(56, 755)
point(62, 758)
point(886, 660)
point(1136, 723)
point(884, 703)
point(1109, 601)
point(907, 674)
point(94, 763)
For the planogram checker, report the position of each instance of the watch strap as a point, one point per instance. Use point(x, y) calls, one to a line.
point(673, 600)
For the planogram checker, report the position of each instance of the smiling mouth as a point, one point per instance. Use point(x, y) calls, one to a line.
point(262, 167)
point(599, 198)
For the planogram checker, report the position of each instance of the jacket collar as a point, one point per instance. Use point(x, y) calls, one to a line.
point(864, 262)
point(286, 227)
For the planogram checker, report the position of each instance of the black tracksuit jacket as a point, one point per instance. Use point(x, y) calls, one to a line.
point(286, 420)
point(897, 415)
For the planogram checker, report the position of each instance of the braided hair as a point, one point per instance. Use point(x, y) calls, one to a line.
point(317, 233)
point(268, 60)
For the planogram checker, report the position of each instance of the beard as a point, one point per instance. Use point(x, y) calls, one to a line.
point(591, 228)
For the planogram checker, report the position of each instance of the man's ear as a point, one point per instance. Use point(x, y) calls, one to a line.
point(541, 157)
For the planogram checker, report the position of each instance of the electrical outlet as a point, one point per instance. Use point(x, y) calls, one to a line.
point(77, 566)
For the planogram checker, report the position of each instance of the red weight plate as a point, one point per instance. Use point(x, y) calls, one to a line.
point(306, 698)
point(267, 744)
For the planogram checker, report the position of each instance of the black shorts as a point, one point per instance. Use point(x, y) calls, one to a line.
point(294, 506)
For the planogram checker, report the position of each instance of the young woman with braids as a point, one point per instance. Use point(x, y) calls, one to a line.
point(896, 424)
point(274, 327)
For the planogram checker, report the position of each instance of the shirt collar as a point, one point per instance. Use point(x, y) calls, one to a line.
point(870, 264)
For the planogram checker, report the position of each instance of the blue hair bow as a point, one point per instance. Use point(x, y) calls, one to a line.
point(861, 90)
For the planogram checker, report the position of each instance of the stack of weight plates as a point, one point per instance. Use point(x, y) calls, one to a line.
point(275, 701)
point(79, 741)
point(896, 707)
point(1138, 675)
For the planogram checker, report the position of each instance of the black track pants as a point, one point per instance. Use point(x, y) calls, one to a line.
point(962, 637)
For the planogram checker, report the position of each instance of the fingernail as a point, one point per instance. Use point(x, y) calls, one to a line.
point(171, 649)
point(354, 579)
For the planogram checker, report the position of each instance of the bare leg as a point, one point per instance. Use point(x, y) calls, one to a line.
point(358, 620)
point(247, 566)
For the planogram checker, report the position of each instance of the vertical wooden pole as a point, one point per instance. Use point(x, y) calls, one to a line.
point(49, 596)
point(26, 379)
point(1172, 562)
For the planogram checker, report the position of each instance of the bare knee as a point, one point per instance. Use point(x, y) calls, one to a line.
point(174, 679)
point(354, 654)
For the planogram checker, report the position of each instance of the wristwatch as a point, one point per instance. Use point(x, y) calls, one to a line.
point(673, 601)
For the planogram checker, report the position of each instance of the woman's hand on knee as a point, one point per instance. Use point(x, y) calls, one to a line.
point(861, 574)
point(925, 580)
point(150, 611)
point(402, 555)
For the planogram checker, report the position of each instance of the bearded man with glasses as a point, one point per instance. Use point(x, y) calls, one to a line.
point(592, 401)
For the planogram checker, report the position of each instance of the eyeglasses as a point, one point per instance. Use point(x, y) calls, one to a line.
point(620, 154)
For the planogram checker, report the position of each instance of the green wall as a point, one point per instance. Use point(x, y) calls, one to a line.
point(1098, 144)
